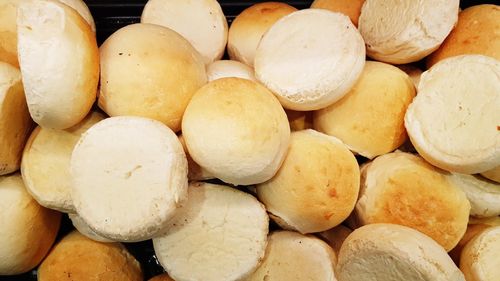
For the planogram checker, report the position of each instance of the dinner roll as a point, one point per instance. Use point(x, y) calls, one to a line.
point(479, 260)
point(382, 252)
point(219, 234)
point(46, 160)
point(15, 120)
point(149, 71)
point(336, 236)
point(28, 229)
point(483, 195)
point(229, 68)
point(8, 32)
point(202, 23)
point(195, 172)
point(59, 62)
point(412, 71)
point(453, 121)
point(250, 25)
point(402, 188)
point(236, 130)
point(405, 31)
point(129, 177)
point(476, 32)
point(76, 257)
point(82, 9)
point(351, 8)
point(162, 277)
point(379, 98)
point(85, 230)
point(493, 174)
point(316, 187)
point(299, 120)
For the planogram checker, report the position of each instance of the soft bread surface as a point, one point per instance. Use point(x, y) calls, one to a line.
point(493, 174)
point(229, 68)
point(85, 230)
point(8, 32)
point(479, 260)
point(82, 9)
point(483, 195)
point(351, 8)
point(195, 172)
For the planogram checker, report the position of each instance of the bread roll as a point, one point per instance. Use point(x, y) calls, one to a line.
point(202, 23)
point(453, 121)
point(382, 252)
point(250, 25)
point(299, 120)
point(493, 174)
point(85, 230)
point(82, 9)
point(316, 187)
point(351, 8)
point(412, 71)
point(479, 260)
point(476, 32)
point(8, 32)
point(219, 234)
point(15, 121)
point(27, 229)
point(379, 98)
point(236, 130)
point(129, 177)
point(406, 31)
point(336, 236)
point(229, 68)
point(59, 62)
point(403, 189)
point(162, 277)
point(76, 257)
point(483, 195)
point(149, 71)
point(195, 172)
point(46, 160)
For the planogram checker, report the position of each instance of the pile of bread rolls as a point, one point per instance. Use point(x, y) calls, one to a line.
point(322, 149)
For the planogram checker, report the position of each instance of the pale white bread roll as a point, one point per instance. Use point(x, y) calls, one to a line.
point(15, 120)
point(46, 160)
point(483, 195)
point(195, 172)
point(219, 234)
point(236, 130)
point(28, 229)
point(317, 186)
point(150, 71)
point(162, 277)
point(454, 120)
point(412, 71)
point(201, 22)
point(229, 68)
point(249, 26)
point(84, 229)
point(336, 236)
point(480, 259)
point(8, 32)
point(292, 256)
point(76, 257)
point(299, 120)
point(402, 188)
point(82, 9)
point(493, 174)
point(310, 58)
point(380, 98)
point(129, 177)
point(405, 31)
point(351, 8)
point(382, 252)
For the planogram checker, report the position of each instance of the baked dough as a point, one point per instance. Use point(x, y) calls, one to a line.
point(479, 260)
point(229, 68)
point(493, 174)
point(85, 230)
point(483, 195)
point(351, 8)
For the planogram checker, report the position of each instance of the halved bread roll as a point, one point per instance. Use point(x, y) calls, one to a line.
point(310, 58)
point(336, 236)
point(351, 8)
point(82, 9)
point(59, 61)
point(85, 230)
point(195, 172)
point(479, 260)
point(483, 195)
point(129, 177)
point(414, 72)
point(493, 174)
point(219, 234)
point(453, 121)
point(229, 68)
point(8, 32)
point(299, 120)
point(162, 277)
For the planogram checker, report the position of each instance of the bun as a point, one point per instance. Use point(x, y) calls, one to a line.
point(479, 260)
point(483, 195)
point(8, 32)
point(351, 8)
point(493, 174)
point(229, 68)
point(83, 228)
point(195, 172)
point(82, 9)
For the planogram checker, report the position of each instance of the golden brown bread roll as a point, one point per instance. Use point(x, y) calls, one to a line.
point(480, 260)
point(351, 8)
point(8, 32)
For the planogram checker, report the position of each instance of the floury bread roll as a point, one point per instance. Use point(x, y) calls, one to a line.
point(150, 71)
point(46, 160)
point(15, 120)
point(162, 277)
point(219, 234)
point(76, 257)
point(382, 252)
point(406, 31)
point(236, 130)
point(316, 187)
point(453, 121)
point(28, 229)
point(402, 188)
point(8, 32)
point(195, 172)
point(229, 68)
point(299, 120)
point(59, 61)
point(351, 8)
point(201, 22)
point(479, 260)
point(336, 236)
point(310, 58)
point(129, 177)
point(483, 195)
point(493, 174)
point(380, 98)
point(82, 9)
point(85, 230)
point(248, 28)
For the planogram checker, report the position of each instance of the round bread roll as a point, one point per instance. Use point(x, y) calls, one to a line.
point(382, 252)
point(219, 234)
point(351, 8)
point(453, 121)
point(46, 160)
point(236, 130)
point(195, 172)
point(229, 68)
point(317, 186)
point(476, 32)
point(162, 277)
point(59, 61)
point(129, 177)
point(85, 230)
point(493, 174)
point(27, 229)
point(405, 31)
point(8, 32)
point(82, 9)
point(380, 98)
point(412, 71)
point(336, 236)
point(402, 188)
point(15, 120)
point(76, 257)
point(202, 23)
point(310, 58)
point(483, 195)
point(250, 25)
point(479, 260)
point(149, 71)
point(299, 120)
